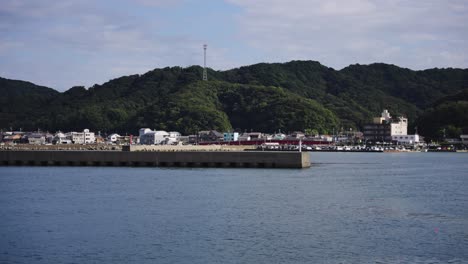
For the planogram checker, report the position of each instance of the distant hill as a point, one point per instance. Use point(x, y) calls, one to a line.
point(291, 96)
point(448, 116)
point(19, 99)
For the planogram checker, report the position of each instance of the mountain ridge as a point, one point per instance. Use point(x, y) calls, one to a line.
point(298, 93)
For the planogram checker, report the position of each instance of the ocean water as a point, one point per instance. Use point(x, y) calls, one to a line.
point(347, 208)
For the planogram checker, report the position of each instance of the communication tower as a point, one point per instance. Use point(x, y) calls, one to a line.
point(205, 74)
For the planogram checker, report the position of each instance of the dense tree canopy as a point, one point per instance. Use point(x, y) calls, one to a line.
point(298, 95)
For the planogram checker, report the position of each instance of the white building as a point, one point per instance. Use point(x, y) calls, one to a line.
point(253, 135)
point(143, 131)
point(384, 118)
point(296, 135)
point(406, 139)
point(173, 138)
point(150, 137)
point(61, 138)
point(228, 136)
point(279, 136)
point(400, 127)
point(244, 137)
point(84, 137)
point(113, 138)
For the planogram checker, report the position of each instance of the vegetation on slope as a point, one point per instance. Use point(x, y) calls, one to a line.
point(265, 97)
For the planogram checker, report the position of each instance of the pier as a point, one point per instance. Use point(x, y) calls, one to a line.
point(223, 159)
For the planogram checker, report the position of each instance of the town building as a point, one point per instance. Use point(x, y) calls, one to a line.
point(61, 138)
point(210, 136)
point(150, 137)
point(279, 136)
point(253, 135)
point(464, 139)
point(406, 139)
point(244, 137)
point(161, 137)
point(85, 137)
point(377, 132)
point(173, 138)
point(385, 127)
point(230, 136)
point(113, 138)
point(36, 139)
point(12, 137)
point(296, 135)
point(399, 126)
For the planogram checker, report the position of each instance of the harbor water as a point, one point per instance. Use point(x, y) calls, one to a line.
point(346, 208)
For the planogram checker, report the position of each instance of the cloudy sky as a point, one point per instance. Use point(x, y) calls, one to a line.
point(62, 43)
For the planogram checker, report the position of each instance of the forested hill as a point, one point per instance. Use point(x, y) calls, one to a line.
point(297, 95)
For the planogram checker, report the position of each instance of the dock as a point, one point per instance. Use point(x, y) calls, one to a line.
point(204, 159)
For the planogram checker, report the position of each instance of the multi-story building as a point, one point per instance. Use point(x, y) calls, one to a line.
point(84, 137)
point(399, 126)
point(150, 137)
point(377, 132)
point(384, 127)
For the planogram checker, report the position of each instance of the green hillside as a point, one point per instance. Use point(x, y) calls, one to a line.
point(448, 116)
point(291, 96)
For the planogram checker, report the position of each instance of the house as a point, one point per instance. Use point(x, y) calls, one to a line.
point(12, 139)
point(186, 139)
point(36, 139)
point(254, 135)
point(210, 136)
point(192, 139)
point(99, 139)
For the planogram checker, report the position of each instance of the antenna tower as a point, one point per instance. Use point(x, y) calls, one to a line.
point(205, 74)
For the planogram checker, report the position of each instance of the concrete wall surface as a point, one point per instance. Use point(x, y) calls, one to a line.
point(186, 148)
point(253, 159)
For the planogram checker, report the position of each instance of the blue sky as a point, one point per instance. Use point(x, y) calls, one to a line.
point(63, 43)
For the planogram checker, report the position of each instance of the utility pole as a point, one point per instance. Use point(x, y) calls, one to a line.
point(205, 74)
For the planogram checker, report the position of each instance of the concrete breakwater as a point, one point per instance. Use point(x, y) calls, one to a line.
point(127, 147)
point(239, 159)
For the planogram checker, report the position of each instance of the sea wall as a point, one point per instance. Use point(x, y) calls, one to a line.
point(186, 148)
point(240, 159)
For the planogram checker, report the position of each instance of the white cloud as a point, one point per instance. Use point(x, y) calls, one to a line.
point(90, 41)
point(158, 3)
point(342, 32)
point(90, 44)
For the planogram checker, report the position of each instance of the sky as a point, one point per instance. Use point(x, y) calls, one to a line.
point(65, 43)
